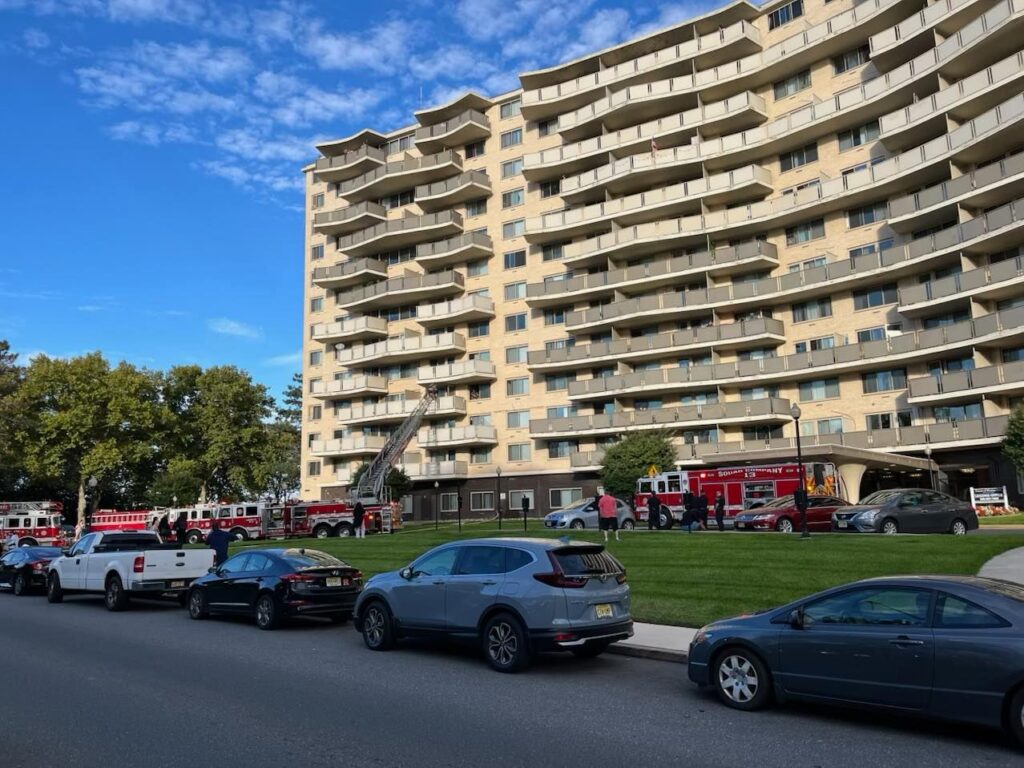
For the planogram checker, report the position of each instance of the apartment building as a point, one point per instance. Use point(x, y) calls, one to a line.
point(809, 202)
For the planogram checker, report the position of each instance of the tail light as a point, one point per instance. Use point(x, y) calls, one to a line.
point(40, 566)
point(621, 577)
point(357, 578)
point(558, 579)
point(139, 565)
point(298, 581)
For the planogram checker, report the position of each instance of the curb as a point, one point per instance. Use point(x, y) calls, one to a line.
point(648, 652)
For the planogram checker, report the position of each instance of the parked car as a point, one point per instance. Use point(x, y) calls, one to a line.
point(271, 584)
point(24, 569)
point(907, 510)
point(120, 565)
point(782, 515)
point(515, 597)
point(943, 647)
point(583, 514)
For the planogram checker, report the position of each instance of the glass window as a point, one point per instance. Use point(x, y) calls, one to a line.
point(480, 456)
point(313, 469)
point(512, 229)
point(547, 127)
point(802, 233)
point(518, 386)
point(517, 354)
point(553, 251)
point(558, 382)
point(480, 391)
point(476, 207)
point(318, 200)
point(516, 322)
point(785, 14)
point(512, 198)
point(236, 564)
point(476, 268)
point(956, 613)
point(554, 316)
point(512, 138)
point(813, 345)
point(874, 606)
point(480, 328)
point(475, 149)
point(889, 420)
point(518, 419)
point(436, 563)
point(819, 389)
point(449, 502)
point(561, 449)
point(791, 85)
point(1013, 355)
point(316, 305)
point(563, 497)
point(875, 297)
point(550, 188)
point(519, 452)
point(481, 561)
point(884, 381)
point(855, 137)
point(812, 310)
point(511, 108)
point(512, 168)
point(965, 412)
point(316, 252)
point(316, 357)
point(868, 214)
point(481, 501)
point(258, 563)
point(847, 61)
point(798, 157)
point(515, 291)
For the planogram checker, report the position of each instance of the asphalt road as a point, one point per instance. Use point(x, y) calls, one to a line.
point(149, 687)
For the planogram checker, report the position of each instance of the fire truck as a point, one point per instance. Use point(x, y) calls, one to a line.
point(258, 520)
point(742, 487)
point(33, 522)
point(124, 520)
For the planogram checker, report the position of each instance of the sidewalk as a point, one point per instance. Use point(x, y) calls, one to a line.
point(1008, 566)
point(656, 641)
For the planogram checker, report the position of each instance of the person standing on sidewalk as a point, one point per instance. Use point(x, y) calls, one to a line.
point(358, 513)
point(720, 511)
point(608, 515)
point(653, 512)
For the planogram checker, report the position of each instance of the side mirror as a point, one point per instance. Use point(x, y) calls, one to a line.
point(66, 552)
point(407, 573)
point(213, 569)
point(796, 619)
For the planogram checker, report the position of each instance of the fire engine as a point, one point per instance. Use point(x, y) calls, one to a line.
point(33, 522)
point(258, 520)
point(742, 487)
point(124, 520)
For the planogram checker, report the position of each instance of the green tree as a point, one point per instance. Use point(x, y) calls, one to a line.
point(291, 411)
point(629, 459)
point(276, 473)
point(1013, 443)
point(12, 466)
point(397, 482)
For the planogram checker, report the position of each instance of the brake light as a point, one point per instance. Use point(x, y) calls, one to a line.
point(298, 578)
point(621, 577)
point(139, 564)
point(40, 566)
point(357, 577)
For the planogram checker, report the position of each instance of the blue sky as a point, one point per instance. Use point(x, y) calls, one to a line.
point(151, 198)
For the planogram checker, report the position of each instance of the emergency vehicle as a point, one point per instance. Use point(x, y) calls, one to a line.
point(124, 520)
point(33, 522)
point(243, 520)
point(742, 487)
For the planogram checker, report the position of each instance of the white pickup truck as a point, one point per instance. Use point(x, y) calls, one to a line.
point(121, 565)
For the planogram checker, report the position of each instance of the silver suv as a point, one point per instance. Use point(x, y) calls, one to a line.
point(583, 514)
point(515, 597)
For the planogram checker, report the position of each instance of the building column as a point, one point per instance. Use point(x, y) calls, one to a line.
point(851, 475)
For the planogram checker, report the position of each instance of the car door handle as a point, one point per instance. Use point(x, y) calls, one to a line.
point(440, 581)
point(906, 641)
point(489, 583)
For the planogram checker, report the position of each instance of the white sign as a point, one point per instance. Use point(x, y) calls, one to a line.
point(502, 496)
point(989, 497)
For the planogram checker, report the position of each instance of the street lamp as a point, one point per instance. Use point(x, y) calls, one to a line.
point(800, 496)
point(437, 502)
point(931, 475)
point(497, 495)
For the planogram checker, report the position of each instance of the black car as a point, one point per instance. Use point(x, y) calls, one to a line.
point(270, 584)
point(24, 568)
point(906, 510)
point(945, 647)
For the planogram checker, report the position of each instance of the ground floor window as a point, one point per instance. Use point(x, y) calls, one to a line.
point(481, 501)
point(515, 500)
point(563, 497)
point(449, 502)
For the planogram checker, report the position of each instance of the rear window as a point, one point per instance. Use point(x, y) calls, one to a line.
point(298, 559)
point(124, 541)
point(585, 561)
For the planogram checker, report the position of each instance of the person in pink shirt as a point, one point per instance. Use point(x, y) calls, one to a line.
point(608, 515)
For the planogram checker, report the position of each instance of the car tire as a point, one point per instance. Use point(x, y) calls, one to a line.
point(1015, 716)
point(344, 530)
point(197, 606)
point(267, 614)
point(889, 527)
point(377, 626)
point(577, 525)
point(322, 531)
point(628, 524)
point(505, 644)
point(193, 537)
point(958, 528)
point(20, 585)
point(741, 679)
point(590, 650)
point(114, 596)
point(784, 525)
point(54, 592)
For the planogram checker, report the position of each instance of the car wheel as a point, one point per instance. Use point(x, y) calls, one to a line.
point(239, 534)
point(590, 650)
point(742, 679)
point(577, 525)
point(193, 537)
point(344, 530)
point(20, 585)
point(628, 524)
point(322, 531)
point(28, 543)
point(115, 598)
point(890, 527)
point(504, 644)
point(54, 593)
point(1015, 716)
point(267, 613)
point(959, 528)
point(378, 631)
point(785, 525)
point(197, 607)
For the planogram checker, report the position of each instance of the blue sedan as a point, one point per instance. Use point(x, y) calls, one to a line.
point(945, 647)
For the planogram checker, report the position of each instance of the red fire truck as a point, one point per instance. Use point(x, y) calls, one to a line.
point(124, 520)
point(33, 522)
point(743, 487)
point(258, 520)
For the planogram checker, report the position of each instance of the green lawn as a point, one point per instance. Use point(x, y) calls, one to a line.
point(690, 579)
point(1002, 520)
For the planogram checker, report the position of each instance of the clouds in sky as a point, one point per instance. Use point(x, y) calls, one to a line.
point(227, 327)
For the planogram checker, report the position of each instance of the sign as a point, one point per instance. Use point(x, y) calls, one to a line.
point(652, 471)
point(989, 497)
point(502, 496)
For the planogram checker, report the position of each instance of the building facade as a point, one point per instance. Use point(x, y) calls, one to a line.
point(813, 202)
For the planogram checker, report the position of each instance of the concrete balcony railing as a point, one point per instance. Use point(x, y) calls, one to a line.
point(454, 250)
point(400, 174)
point(921, 23)
point(436, 470)
point(463, 129)
point(348, 446)
point(350, 329)
point(469, 185)
point(749, 333)
point(586, 459)
point(409, 289)
point(343, 476)
point(463, 372)
point(350, 164)
point(399, 233)
point(403, 349)
point(764, 411)
point(349, 273)
point(997, 281)
point(997, 327)
point(399, 410)
point(339, 389)
point(461, 310)
point(639, 278)
point(439, 437)
point(1005, 379)
point(349, 219)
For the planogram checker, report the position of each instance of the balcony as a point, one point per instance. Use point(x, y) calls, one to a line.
point(367, 445)
point(586, 460)
point(460, 130)
point(458, 189)
point(917, 31)
point(349, 164)
point(402, 349)
point(461, 310)
point(396, 411)
point(460, 249)
point(1001, 280)
point(340, 389)
point(399, 233)
point(436, 470)
point(400, 175)
point(350, 329)
point(469, 100)
point(410, 289)
point(444, 437)
point(349, 273)
point(462, 372)
point(1006, 379)
point(349, 219)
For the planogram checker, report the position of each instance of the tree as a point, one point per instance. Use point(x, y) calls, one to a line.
point(276, 474)
point(12, 469)
point(630, 458)
point(1013, 443)
point(397, 482)
point(291, 411)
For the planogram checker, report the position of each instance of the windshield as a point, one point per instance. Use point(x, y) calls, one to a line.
point(880, 497)
point(312, 559)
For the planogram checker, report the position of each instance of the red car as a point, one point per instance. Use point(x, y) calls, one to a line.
point(782, 515)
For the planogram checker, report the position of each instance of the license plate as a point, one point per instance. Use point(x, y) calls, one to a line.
point(333, 581)
point(843, 524)
point(177, 584)
point(604, 611)
point(741, 525)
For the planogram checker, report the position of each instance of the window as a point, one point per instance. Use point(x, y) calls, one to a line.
point(847, 61)
point(957, 412)
point(832, 426)
point(478, 329)
point(313, 469)
point(563, 497)
point(942, 321)
point(401, 144)
point(557, 382)
point(476, 207)
point(518, 386)
point(761, 432)
point(551, 346)
point(813, 345)
point(512, 138)
point(561, 411)
point(812, 310)
point(889, 420)
point(512, 168)
point(483, 355)
point(647, 405)
point(955, 613)
point(480, 456)
point(817, 261)
point(875, 297)
point(313, 384)
point(802, 233)
point(515, 291)
point(476, 268)
point(758, 393)
point(316, 357)
point(476, 149)
point(437, 563)
point(316, 412)
point(512, 198)
point(316, 252)
point(516, 354)
point(318, 200)
point(316, 305)
point(1014, 355)
point(855, 137)
point(790, 160)
point(553, 251)
point(396, 200)
point(547, 127)
point(518, 419)
point(872, 606)
point(560, 449)
point(519, 452)
point(791, 85)
point(399, 256)
point(237, 564)
point(449, 502)
point(819, 389)
point(512, 229)
point(516, 322)
point(812, 184)
point(785, 14)
point(481, 561)
point(550, 188)
point(481, 501)
point(511, 108)
point(479, 391)
point(878, 333)
point(884, 381)
point(864, 250)
point(868, 214)
point(554, 316)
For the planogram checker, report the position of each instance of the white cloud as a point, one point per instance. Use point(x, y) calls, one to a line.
point(227, 327)
point(253, 178)
point(90, 308)
point(606, 27)
point(249, 144)
point(35, 39)
point(179, 11)
point(292, 358)
point(152, 134)
point(380, 49)
point(450, 62)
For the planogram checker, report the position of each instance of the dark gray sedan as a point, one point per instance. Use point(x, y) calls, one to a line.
point(906, 510)
point(945, 647)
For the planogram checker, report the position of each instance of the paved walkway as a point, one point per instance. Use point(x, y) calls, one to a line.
point(1008, 566)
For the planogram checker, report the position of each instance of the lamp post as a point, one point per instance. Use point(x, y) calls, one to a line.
point(931, 475)
point(459, 501)
point(437, 502)
point(497, 495)
point(800, 496)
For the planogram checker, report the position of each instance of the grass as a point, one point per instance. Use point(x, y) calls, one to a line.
point(1002, 520)
point(689, 580)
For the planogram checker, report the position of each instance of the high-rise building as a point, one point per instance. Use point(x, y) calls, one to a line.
point(805, 203)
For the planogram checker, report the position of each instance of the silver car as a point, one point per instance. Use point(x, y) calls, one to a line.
point(583, 514)
point(515, 597)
